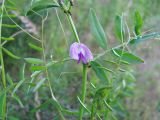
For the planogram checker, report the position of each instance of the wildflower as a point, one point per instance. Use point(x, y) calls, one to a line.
point(80, 52)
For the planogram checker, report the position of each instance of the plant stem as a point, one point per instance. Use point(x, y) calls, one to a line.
point(3, 68)
point(2, 65)
point(1, 53)
point(84, 81)
point(46, 70)
point(73, 27)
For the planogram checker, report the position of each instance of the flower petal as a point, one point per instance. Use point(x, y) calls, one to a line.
point(87, 53)
point(74, 51)
point(79, 51)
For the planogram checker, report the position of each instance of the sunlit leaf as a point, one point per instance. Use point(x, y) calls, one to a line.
point(97, 29)
point(9, 25)
point(8, 39)
point(128, 57)
point(138, 23)
point(37, 68)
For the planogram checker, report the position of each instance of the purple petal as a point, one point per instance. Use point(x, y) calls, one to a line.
point(82, 58)
point(87, 54)
point(80, 52)
point(74, 51)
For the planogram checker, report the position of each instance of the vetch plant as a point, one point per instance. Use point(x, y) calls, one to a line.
point(101, 87)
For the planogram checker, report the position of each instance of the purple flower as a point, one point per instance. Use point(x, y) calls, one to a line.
point(80, 52)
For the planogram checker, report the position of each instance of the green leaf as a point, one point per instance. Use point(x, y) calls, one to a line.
point(69, 112)
point(17, 86)
point(33, 60)
point(34, 74)
point(37, 68)
point(8, 39)
point(35, 47)
point(2, 105)
point(99, 71)
point(106, 69)
point(9, 25)
point(39, 84)
point(83, 105)
point(22, 77)
point(97, 29)
point(119, 27)
point(10, 54)
point(41, 5)
point(126, 56)
point(31, 84)
point(22, 72)
point(143, 38)
point(108, 106)
point(138, 23)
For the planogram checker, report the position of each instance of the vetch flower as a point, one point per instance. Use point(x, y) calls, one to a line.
point(80, 52)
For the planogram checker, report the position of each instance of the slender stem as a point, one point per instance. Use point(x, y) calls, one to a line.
point(61, 27)
point(3, 68)
point(2, 63)
point(84, 81)
point(1, 53)
point(46, 71)
point(73, 27)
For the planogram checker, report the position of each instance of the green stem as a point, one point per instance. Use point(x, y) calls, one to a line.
point(3, 68)
point(2, 64)
point(84, 81)
point(73, 27)
point(46, 71)
point(1, 53)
